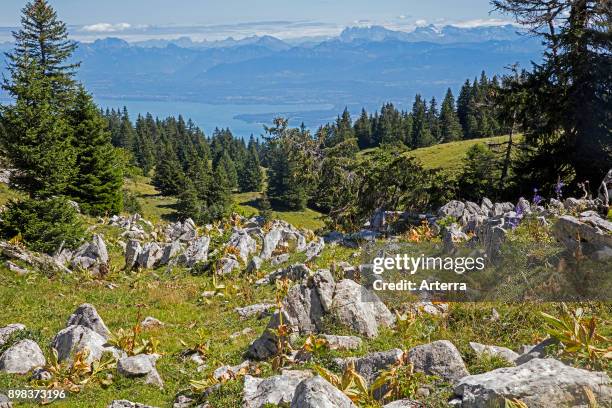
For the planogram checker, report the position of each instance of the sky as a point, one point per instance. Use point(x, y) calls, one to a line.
point(215, 19)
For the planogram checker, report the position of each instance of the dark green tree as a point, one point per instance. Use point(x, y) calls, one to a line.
point(251, 177)
point(450, 128)
point(421, 134)
point(99, 178)
point(481, 173)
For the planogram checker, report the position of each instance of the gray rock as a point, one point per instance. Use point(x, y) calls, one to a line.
point(491, 236)
point(150, 255)
point(7, 331)
point(537, 351)
point(316, 392)
point(183, 231)
point(41, 374)
point(260, 309)
point(275, 390)
point(87, 315)
point(342, 342)
point(141, 365)
point(196, 252)
point(279, 259)
point(371, 365)
point(404, 403)
point(132, 252)
point(360, 309)
point(227, 265)
point(503, 352)
point(326, 286)
point(270, 242)
point(314, 248)
point(227, 372)
point(302, 313)
point(523, 207)
point(150, 323)
point(453, 208)
point(595, 233)
point(169, 252)
point(92, 256)
point(486, 206)
point(242, 241)
point(75, 338)
point(440, 358)
point(294, 272)
point(254, 264)
point(5, 402)
point(539, 383)
point(451, 236)
point(22, 357)
point(16, 268)
point(127, 404)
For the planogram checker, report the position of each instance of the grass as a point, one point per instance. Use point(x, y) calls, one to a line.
point(155, 207)
point(449, 156)
point(307, 218)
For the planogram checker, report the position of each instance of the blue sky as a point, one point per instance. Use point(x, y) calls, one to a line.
point(214, 19)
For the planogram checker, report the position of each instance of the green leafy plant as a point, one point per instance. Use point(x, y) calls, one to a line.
point(131, 341)
point(578, 335)
point(351, 383)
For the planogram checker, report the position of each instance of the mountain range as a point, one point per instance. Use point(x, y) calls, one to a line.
point(363, 66)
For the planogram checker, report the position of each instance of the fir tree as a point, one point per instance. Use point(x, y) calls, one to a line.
point(251, 177)
point(363, 130)
point(421, 134)
point(97, 184)
point(450, 128)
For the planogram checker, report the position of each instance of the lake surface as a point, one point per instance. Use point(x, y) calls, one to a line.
point(208, 116)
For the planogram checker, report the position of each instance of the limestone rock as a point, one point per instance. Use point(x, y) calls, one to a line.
point(371, 365)
point(75, 338)
point(243, 242)
point(275, 390)
point(503, 352)
point(359, 308)
point(316, 392)
point(132, 253)
point(87, 315)
point(127, 404)
point(141, 365)
point(314, 248)
point(453, 208)
point(539, 383)
point(150, 255)
point(7, 331)
point(92, 256)
point(404, 403)
point(22, 357)
point(440, 358)
point(342, 342)
point(259, 309)
point(197, 251)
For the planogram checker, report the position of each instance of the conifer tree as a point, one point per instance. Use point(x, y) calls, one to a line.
point(251, 177)
point(421, 134)
point(97, 184)
point(450, 128)
point(363, 130)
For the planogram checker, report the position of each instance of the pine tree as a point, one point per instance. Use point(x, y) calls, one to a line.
point(450, 128)
point(251, 177)
point(43, 41)
point(38, 138)
point(97, 184)
point(229, 169)
point(363, 130)
point(463, 103)
point(169, 177)
point(433, 119)
point(421, 135)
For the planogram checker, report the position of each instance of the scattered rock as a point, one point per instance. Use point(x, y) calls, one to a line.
point(150, 255)
point(316, 392)
point(314, 248)
point(141, 365)
point(22, 357)
point(452, 235)
point(259, 310)
point(294, 272)
point(589, 231)
point(243, 242)
point(92, 256)
point(75, 338)
point(227, 265)
point(151, 323)
point(440, 358)
point(503, 352)
point(404, 403)
point(279, 259)
point(270, 242)
point(7, 331)
point(16, 268)
point(275, 390)
point(453, 208)
point(539, 383)
point(360, 309)
point(537, 351)
point(127, 404)
point(5, 402)
point(196, 252)
point(86, 315)
point(169, 252)
point(228, 372)
point(254, 264)
point(342, 342)
point(133, 250)
point(370, 366)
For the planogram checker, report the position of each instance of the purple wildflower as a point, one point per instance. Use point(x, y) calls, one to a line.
point(559, 189)
point(537, 198)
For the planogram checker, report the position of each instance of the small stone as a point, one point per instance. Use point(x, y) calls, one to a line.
point(7, 331)
point(316, 392)
point(151, 323)
point(342, 342)
point(86, 315)
point(503, 352)
point(259, 310)
point(275, 390)
point(440, 358)
point(127, 404)
point(22, 357)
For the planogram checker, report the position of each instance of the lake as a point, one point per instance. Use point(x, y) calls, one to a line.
point(242, 119)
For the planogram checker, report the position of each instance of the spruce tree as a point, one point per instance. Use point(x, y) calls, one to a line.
point(229, 169)
point(363, 130)
point(251, 177)
point(450, 128)
point(38, 138)
point(43, 41)
point(421, 134)
point(97, 184)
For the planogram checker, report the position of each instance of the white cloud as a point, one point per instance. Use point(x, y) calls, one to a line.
point(491, 22)
point(420, 23)
point(106, 27)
